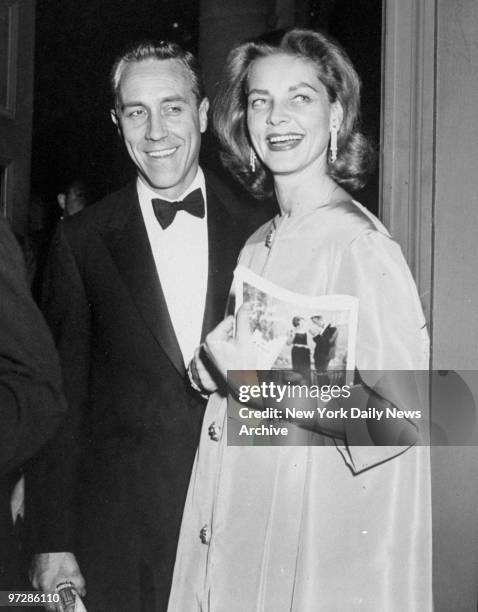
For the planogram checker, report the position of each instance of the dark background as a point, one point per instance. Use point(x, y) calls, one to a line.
point(77, 42)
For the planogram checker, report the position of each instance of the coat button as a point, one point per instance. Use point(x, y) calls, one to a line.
point(214, 431)
point(205, 534)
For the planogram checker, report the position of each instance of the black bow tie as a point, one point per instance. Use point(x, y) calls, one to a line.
point(165, 211)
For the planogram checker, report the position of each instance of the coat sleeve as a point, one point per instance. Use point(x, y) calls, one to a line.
point(31, 400)
point(53, 478)
point(392, 348)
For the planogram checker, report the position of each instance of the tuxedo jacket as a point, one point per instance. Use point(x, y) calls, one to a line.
point(31, 403)
point(325, 347)
point(112, 485)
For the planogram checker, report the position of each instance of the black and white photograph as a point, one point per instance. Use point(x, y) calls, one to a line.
point(191, 188)
point(312, 336)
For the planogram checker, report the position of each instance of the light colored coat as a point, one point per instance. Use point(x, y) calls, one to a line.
point(317, 528)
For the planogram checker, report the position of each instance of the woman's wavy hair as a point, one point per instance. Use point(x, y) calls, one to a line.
point(355, 156)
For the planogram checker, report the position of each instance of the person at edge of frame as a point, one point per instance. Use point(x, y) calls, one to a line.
point(31, 398)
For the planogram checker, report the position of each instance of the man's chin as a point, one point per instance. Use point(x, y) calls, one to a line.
point(168, 183)
point(162, 183)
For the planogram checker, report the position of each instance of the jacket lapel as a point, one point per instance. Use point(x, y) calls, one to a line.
point(128, 243)
point(225, 240)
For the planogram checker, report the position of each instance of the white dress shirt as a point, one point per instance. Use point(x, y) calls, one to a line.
point(180, 253)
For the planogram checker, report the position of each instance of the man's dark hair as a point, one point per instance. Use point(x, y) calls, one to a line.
point(160, 50)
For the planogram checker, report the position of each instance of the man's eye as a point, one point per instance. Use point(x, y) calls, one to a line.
point(138, 112)
point(173, 110)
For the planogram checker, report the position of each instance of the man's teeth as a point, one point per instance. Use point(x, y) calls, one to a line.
point(285, 138)
point(163, 153)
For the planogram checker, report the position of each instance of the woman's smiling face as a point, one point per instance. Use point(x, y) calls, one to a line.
point(288, 114)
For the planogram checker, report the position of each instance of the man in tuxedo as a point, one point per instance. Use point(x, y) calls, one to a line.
point(31, 401)
point(325, 341)
point(134, 283)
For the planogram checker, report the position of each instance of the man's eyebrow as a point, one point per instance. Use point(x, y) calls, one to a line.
point(129, 104)
point(166, 100)
point(174, 99)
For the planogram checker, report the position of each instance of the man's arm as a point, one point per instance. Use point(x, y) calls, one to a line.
point(52, 480)
point(31, 400)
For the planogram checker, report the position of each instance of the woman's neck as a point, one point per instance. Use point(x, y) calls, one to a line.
point(297, 193)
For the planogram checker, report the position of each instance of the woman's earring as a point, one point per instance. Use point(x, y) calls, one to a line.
point(333, 141)
point(252, 160)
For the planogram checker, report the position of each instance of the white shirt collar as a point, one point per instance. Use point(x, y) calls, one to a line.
point(180, 254)
point(146, 194)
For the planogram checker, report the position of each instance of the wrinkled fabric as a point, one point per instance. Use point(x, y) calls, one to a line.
point(326, 527)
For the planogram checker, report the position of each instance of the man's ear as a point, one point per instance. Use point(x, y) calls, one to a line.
point(61, 199)
point(115, 120)
point(202, 111)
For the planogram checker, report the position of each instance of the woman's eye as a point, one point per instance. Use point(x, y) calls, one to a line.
point(257, 103)
point(301, 98)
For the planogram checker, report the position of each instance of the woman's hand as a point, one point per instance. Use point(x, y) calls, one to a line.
point(222, 352)
point(228, 352)
point(236, 353)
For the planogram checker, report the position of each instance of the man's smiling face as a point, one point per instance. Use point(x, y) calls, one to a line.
point(161, 122)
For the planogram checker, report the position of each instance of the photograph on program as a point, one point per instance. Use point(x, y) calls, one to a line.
point(314, 337)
